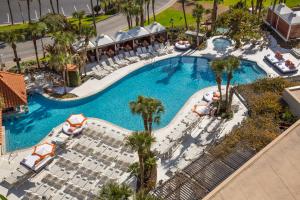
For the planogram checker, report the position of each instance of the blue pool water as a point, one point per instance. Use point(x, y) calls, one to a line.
point(172, 81)
point(221, 44)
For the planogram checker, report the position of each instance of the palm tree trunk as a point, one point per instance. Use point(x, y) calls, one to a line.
point(137, 20)
point(17, 60)
point(228, 108)
point(28, 11)
point(198, 29)
point(214, 14)
point(36, 52)
point(128, 21)
point(40, 8)
point(64, 77)
point(153, 10)
point(229, 77)
point(184, 14)
point(43, 48)
point(142, 12)
point(10, 13)
point(57, 6)
point(93, 14)
point(150, 125)
point(148, 11)
point(252, 6)
point(21, 12)
point(142, 170)
point(220, 91)
point(52, 7)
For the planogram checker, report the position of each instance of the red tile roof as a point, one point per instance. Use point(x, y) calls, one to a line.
point(13, 89)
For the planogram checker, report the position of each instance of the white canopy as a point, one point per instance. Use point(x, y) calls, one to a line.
point(155, 28)
point(103, 40)
point(138, 32)
point(122, 36)
point(79, 45)
point(76, 120)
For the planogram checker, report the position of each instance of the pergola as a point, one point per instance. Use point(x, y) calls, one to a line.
point(157, 31)
point(203, 175)
point(140, 35)
point(104, 44)
point(123, 40)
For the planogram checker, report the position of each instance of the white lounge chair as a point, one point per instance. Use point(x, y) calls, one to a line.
point(296, 52)
point(102, 71)
point(140, 53)
point(152, 51)
point(283, 68)
point(123, 59)
point(112, 64)
point(133, 56)
point(119, 62)
point(160, 51)
point(272, 58)
point(145, 51)
point(106, 67)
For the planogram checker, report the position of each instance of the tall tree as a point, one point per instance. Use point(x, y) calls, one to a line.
point(150, 110)
point(215, 13)
point(28, 10)
point(37, 30)
point(52, 6)
point(218, 67)
point(12, 37)
point(10, 12)
point(40, 8)
point(57, 6)
point(141, 142)
point(79, 15)
point(184, 14)
point(87, 33)
point(142, 20)
point(93, 14)
point(113, 191)
point(197, 14)
point(232, 63)
point(148, 10)
point(153, 10)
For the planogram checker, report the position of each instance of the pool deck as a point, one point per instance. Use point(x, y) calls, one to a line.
point(188, 147)
point(254, 54)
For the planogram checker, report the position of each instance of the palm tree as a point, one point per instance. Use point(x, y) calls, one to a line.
point(232, 63)
point(197, 14)
point(79, 15)
point(10, 12)
point(184, 14)
point(93, 14)
point(218, 67)
point(52, 7)
point(57, 6)
point(215, 13)
point(113, 191)
point(148, 10)
point(149, 108)
point(141, 142)
point(40, 8)
point(141, 5)
point(153, 10)
point(28, 10)
point(87, 32)
point(37, 30)
point(12, 37)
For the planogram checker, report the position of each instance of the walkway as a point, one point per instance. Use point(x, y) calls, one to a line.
point(272, 174)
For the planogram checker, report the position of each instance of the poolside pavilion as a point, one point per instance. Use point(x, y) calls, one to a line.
point(284, 21)
point(13, 91)
point(103, 44)
point(158, 32)
point(140, 35)
point(123, 40)
point(79, 46)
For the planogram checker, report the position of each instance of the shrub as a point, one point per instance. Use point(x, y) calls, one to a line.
point(74, 79)
point(276, 85)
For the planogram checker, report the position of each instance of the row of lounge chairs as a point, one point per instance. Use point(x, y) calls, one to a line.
point(280, 63)
point(123, 59)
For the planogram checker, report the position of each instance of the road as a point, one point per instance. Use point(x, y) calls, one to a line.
point(109, 27)
point(66, 7)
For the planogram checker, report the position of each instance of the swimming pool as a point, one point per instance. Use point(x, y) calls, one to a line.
point(221, 44)
point(172, 81)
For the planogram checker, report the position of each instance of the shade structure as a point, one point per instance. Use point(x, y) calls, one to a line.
point(103, 41)
point(138, 32)
point(44, 150)
point(155, 27)
point(80, 45)
point(77, 120)
point(122, 36)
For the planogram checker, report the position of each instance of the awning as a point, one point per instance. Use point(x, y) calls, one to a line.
point(103, 40)
point(138, 32)
point(80, 45)
point(76, 120)
point(155, 28)
point(122, 36)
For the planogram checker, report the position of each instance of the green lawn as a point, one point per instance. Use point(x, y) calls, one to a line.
point(86, 20)
point(290, 3)
point(165, 17)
